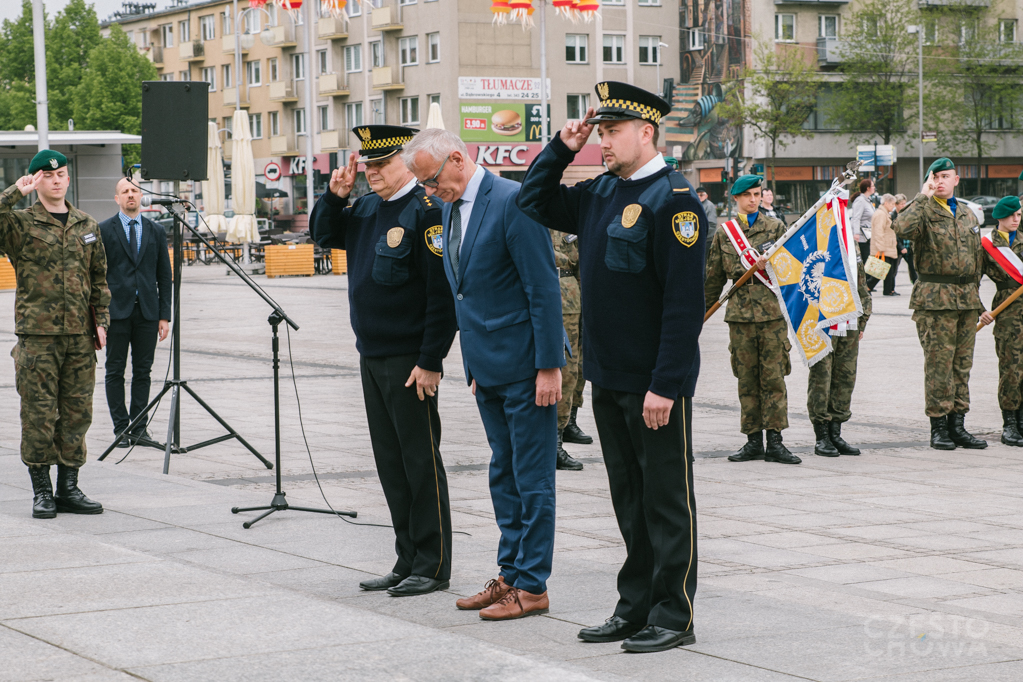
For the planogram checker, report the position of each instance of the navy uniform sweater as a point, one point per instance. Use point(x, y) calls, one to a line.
point(641, 275)
point(398, 295)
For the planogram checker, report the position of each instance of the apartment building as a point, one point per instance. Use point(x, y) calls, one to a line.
point(390, 60)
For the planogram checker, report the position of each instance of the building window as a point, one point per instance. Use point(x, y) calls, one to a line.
point(250, 23)
point(785, 27)
point(409, 110)
point(577, 105)
point(433, 44)
point(300, 122)
point(354, 10)
point(166, 76)
point(407, 2)
point(613, 2)
point(376, 53)
point(274, 69)
point(185, 75)
point(206, 27)
point(275, 123)
point(377, 108)
point(614, 49)
point(298, 66)
point(353, 58)
point(434, 99)
point(272, 11)
point(209, 74)
point(649, 50)
point(229, 127)
point(649, 3)
point(967, 31)
point(353, 114)
point(167, 35)
point(322, 62)
point(695, 38)
point(226, 25)
point(227, 76)
point(185, 31)
point(576, 48)
point(1007, 31)
point(256, 126)
point(408, 50)
point(324, 116)
point(827, 27)
point(930, 31)
point(253, 73)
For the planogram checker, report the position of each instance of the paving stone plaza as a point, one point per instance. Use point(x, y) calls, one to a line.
point(904, 564)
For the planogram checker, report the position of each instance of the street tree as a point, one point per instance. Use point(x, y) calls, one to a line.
point(71, 37)
point(17, 71)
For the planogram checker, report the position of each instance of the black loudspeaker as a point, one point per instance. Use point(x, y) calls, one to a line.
point(174, 129)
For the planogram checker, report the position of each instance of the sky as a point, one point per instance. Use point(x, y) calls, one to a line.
point(11, 9)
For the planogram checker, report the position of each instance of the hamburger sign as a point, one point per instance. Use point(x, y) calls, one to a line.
point(501, 122)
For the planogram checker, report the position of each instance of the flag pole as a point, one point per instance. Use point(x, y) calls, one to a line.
point(997, 311)
point(847, 176)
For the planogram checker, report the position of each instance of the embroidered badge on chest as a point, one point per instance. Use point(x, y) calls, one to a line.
point(88, 238)
point(686, 227)
point(631, 214)
point(394, 236)
point(435, 240)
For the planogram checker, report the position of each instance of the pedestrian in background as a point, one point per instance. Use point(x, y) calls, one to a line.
point(884, 244)
point(767, 206)
point(712, 218)
point(905, 245)
point(862, 211)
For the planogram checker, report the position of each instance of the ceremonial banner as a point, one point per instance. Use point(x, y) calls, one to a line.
point(816, 285)
point(1004, 256)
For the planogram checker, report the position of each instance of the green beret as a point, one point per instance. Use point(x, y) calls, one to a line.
point(942, 164)
point(746, 182)
point(47, 160)
point(1005, 207)
point(1021, 176)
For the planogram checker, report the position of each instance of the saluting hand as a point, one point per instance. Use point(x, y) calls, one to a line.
point(343, 179)
point(575, 133)
point(27, 184)
point(928, 187)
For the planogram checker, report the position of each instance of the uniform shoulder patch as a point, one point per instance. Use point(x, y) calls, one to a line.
point(686, 227)
point(435, 240)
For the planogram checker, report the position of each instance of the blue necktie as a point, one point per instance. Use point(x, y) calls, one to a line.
point(455, 237)
point(133, 239)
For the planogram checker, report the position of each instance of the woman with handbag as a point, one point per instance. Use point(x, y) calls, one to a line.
point(862, 211)
point(884, 244)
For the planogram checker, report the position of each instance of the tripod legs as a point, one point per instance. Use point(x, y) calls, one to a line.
point(281, 504)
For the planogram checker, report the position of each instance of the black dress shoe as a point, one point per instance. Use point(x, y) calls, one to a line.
point(653, 638)
point(614, 629)
point(415, 585)
point(384, 583)
point(142, 434)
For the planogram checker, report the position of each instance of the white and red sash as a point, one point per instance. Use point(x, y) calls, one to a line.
point(1004, 256)
point(747, 254)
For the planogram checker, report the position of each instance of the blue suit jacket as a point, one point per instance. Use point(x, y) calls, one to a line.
point(508, 297)
point(149, 275)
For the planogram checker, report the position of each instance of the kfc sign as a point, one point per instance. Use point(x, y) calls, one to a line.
point(501, 154)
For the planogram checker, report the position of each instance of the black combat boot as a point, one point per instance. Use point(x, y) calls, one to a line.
point(69, 499)
point(573, 434)
point(566, 461)
point(776, 450)
point(1019, 420)
point(43, 506)
point(835, 431)
point(939, 434)
point(823, 446)
point(753, 449)
point(1010, 429)
point(960, 436)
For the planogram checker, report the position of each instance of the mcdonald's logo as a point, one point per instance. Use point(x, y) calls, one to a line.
point(535, 131)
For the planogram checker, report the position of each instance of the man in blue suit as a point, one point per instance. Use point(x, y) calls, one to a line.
point(139, 276)
point(500, 265)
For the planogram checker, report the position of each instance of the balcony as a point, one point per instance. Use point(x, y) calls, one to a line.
point(228, 43)
point(331, 141)
point(829, 51)
point(329, 28)
point(333, 85)
point(231, 98)
point(155, 54)
point(386, 78)
point(283, 145)
point(283, 91)
point(386, 19)
point(284, 36)
point(192, 52)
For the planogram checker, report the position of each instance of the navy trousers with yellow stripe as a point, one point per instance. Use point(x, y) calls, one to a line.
point(651, 478)
point(405, 433)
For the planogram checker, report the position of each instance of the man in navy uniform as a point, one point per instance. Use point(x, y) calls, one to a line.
point(139, 276)
point(641, 252)
point(404, 321)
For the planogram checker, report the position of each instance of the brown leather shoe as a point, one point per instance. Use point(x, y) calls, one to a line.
point(492, 592)
point(517, 604)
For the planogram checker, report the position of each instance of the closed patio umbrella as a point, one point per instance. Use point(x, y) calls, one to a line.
point(434, 120)
point(213, 187)
point(242, 227)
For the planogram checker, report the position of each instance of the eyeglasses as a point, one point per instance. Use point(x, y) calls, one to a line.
point(432, 182)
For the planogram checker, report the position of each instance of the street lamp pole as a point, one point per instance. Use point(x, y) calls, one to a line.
point(919, 31)
point(660, 86)
point(42, 100)
point(309, 107)
point(237, 58)
point(543, 72)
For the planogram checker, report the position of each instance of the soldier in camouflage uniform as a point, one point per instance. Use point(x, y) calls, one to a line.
point(61, 271)
point(566, 258)
point(946, 300)
point(1009, 323)
point(830, 386)
point(757, 332)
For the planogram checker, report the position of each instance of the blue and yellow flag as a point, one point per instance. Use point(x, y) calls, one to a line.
point(816, 280)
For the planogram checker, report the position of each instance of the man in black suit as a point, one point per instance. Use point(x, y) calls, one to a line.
point(139, 277)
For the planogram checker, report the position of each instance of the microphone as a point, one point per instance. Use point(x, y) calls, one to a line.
point(160, 201)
